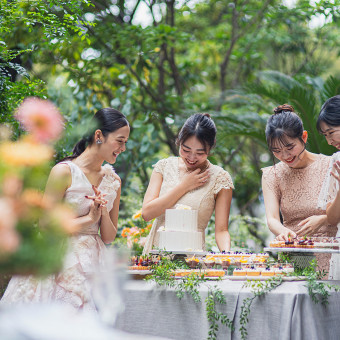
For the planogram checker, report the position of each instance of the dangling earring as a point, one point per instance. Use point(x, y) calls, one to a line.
point(99, 141)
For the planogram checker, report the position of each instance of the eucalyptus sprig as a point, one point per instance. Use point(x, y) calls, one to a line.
point(162, 274)
point(259, 288)
point(190, 284)
point(215, 295)
point(319, 291)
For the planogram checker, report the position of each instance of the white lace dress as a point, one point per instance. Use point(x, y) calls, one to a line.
point(86, 252)
point(202, 199)
point(328, 192)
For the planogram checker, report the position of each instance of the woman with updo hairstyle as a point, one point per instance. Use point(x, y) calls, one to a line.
point(292, 186)
point(94, 191)
point(190, 180)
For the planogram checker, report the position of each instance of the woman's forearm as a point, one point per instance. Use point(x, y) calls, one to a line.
point(275, 226)
point(108, 230)
point(157, 206)
point(333, 211)
point(223, 240)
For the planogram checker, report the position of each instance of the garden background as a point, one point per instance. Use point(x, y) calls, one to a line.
point(161, 61)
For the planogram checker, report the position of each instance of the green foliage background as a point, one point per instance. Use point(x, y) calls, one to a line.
point(236, 60)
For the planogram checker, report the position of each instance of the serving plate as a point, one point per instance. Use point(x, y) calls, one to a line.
point(309, 251)
point(263, 278)
point(179, 252)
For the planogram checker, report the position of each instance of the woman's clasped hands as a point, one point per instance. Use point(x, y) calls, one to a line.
point(195, 179)
point(98, 204)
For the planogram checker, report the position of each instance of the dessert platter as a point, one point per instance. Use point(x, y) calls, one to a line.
point(141, 265)
point(234, 266)
point(241, 266)
point(306, 245)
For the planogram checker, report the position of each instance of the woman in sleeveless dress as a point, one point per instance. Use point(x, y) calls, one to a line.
point(94, 191)
point(191, 180)
point(328, 124)
point(293, 185)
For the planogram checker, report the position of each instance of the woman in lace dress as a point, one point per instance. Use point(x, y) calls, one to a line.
point(328, 124)
point(191, 180)
point(94, 191)
point(293, 185)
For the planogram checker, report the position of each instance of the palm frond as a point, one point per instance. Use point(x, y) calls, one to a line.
point(331, 88)
point(282, 80)
point(251, 125)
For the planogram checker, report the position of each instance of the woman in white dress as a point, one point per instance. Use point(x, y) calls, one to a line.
point(94, 191)
point(191, 180)
point(328, 124)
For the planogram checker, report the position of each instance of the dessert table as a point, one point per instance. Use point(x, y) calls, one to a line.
point(287, 312)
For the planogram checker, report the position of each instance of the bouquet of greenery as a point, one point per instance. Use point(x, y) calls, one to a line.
point(33, 229)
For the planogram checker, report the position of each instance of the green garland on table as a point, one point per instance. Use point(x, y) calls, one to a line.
point(259, 288)
point(319, 291)
point(163, 276)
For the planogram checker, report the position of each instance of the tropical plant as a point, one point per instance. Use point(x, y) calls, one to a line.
point(273, 88)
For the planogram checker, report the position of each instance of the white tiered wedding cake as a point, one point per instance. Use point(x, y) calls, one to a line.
point(180, 231)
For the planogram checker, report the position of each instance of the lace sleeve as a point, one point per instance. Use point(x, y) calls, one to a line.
point(113, 182)
point(223, 181)
point(160, 166)
point(270, 175)
point(330, 185)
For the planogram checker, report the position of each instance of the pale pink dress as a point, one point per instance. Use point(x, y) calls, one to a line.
point(298, 192)
point(202, 199)
point(72, 285)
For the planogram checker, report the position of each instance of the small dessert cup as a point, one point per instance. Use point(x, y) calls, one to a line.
point(225, 262)
point(209, 262)
point(192, 262)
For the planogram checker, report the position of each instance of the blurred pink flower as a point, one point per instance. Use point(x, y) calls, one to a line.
point(9, 241)
point(41, 118)
point(129, 243)
point(9, 238)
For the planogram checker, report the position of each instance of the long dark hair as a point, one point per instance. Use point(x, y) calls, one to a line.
point(330, 113)
point(107, 120)
point(282, 124)
point(202, 127)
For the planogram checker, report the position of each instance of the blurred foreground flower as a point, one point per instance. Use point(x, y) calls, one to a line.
point(41, 119)
point(25, 153)
point(33, 230)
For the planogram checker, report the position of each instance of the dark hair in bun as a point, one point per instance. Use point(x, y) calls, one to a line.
point(202, 127)
point(282, 124)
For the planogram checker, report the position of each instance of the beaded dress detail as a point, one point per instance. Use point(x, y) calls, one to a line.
point(202, 199)
point(298, 192)
point(85, 253)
